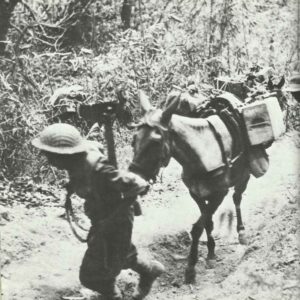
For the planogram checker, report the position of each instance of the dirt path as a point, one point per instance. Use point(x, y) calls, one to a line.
point(42, 261)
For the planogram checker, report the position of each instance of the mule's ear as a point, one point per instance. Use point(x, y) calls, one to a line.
point(172, 103)
point(145, 102)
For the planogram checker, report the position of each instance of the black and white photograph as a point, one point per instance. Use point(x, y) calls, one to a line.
point(149, 149)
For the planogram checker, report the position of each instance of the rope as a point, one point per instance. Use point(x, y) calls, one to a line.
point(69, 209)
point(102, 224)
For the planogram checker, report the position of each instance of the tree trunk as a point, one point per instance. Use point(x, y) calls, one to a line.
point(6, 9)
point(126, 13)
point(211, 30)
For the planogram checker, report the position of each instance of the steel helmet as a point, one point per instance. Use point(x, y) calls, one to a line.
point(61, 138)
point(294, 84)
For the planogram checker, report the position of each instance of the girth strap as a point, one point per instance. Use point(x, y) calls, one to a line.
point(235, 127)
point(232, 121)
point(226, 160)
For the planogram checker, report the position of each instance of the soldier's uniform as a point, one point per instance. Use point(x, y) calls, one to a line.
point(109, 240)
point(109, 244)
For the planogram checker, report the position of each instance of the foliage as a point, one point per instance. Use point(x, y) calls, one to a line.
point(169, 43)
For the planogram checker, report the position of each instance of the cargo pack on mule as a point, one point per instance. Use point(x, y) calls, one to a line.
point(251, 128)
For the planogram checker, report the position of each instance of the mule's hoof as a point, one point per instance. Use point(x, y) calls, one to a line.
point(242, 238)
point(190, 275)
point(211, 263)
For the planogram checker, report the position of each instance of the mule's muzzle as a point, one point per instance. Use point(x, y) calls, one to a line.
point(138, 170)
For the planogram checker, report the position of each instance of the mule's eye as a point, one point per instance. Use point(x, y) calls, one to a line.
point(156, 135)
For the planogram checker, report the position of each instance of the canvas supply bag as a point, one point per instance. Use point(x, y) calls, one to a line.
point(258, 161)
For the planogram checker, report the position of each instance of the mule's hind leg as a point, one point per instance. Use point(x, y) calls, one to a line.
point(237, 198)
point(213, 203)
point(196, 232)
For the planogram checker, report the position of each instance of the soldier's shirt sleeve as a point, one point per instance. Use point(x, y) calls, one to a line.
point(128, 183)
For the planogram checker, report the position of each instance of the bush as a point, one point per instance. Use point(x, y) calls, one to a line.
point(168, 43)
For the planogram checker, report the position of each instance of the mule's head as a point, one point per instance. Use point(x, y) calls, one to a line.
point(151, 143)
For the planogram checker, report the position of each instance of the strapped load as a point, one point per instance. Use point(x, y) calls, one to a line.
point(257, 125)
point(264, 121)
point(253, 127)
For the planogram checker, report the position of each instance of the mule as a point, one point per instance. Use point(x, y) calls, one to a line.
point(160, 135)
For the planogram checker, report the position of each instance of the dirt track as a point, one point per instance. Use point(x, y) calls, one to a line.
point(41, 257)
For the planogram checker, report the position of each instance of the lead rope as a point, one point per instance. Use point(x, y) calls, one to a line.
point(69, 213)
point(102, 224)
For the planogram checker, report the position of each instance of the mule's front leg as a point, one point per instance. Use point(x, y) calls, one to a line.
point(190, 273)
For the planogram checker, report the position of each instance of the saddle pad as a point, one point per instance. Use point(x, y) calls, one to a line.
point(202, 141)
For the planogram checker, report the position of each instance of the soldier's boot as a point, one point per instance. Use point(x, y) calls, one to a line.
point(110, 291)
point(148, 271)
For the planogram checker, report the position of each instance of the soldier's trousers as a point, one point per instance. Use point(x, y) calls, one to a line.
point(109, 251)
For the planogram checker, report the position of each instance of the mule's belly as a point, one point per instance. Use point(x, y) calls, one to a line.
point(206, 185)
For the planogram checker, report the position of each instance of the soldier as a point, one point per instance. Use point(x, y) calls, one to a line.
point(105, 189)
point(294, 86)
